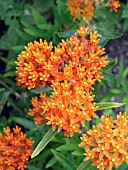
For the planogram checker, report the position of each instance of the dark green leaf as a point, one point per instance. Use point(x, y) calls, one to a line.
point(3, 99)
point(109, 34)
point(18, 48)
point(30, 167)
point(36, 32)
point(10, 74)
point(111, 64)
point(48, 27)
point(39, 19)
point(79, 152)
point(103, 41)
point(41, 89)
point(67, 147)
point(45, 140)
point(24, 122)
point(63, 160)
point(108, 76)
point(66, 34)
point(51, 162)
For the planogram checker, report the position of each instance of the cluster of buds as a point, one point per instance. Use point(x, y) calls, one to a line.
point(70, 69)
point(15, 149)
point(85, 8)
point(107, 143)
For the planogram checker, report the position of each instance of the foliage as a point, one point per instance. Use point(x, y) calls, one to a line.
point(25, 21)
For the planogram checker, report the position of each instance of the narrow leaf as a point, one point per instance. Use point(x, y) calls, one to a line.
point(51, 162)
point(67, 147)
point(3, 98)
point(63, 160)
point(30, 167)
point(85, 165)
point(109, 34)
point(108, 105)
point(46, 139)
point(41, 89)
point(24, 122)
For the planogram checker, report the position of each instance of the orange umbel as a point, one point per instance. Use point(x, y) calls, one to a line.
point(67, 108)
point(15, 149)
point(107, 143)
point(85, 8)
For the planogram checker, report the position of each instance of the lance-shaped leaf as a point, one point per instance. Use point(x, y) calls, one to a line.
point(108, 105)
point(24, 122)
point(85, 165)
point(46, 139)
point(64, 161)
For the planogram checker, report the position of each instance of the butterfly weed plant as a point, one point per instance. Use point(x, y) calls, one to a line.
point(55, 92)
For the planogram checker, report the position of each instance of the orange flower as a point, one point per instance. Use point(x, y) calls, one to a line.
point(85, 8)
point(83, 58)
point(82, 8)
point(113, 5)
point(70, 70)
point(107, 143)
point(34, 66)
point(67, 107)
point(15, 149)
point(38, 65)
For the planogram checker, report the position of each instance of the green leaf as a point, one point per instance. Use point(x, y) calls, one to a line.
point(116, 91)
point(103, 41)
point(111, 64)
point(10, 74)
point(41, 89)
point(36, 32)
point(125, 12)
point(79, 152)
point(66, 34)
point(108, 105)
point(85, 165)
point(3, 99)
point(67, 147)
point(39, 19)
point(67, 164)
point(46, 139)
point(125, 72)
point(51, 162)
point(109, 34)
point(24, 122)
point(124, 166)
point(108, 76)
point(18, 48)
point(30, 167)
point(48, 27)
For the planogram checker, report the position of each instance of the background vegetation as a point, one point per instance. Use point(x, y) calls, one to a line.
point(23, 21)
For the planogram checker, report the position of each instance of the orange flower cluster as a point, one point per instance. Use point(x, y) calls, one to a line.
point(68, 106)
point(85, 8)
point(35, 65)
point(107, 143)
point(71, 101)
point(15, 149)
point(38, 65)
